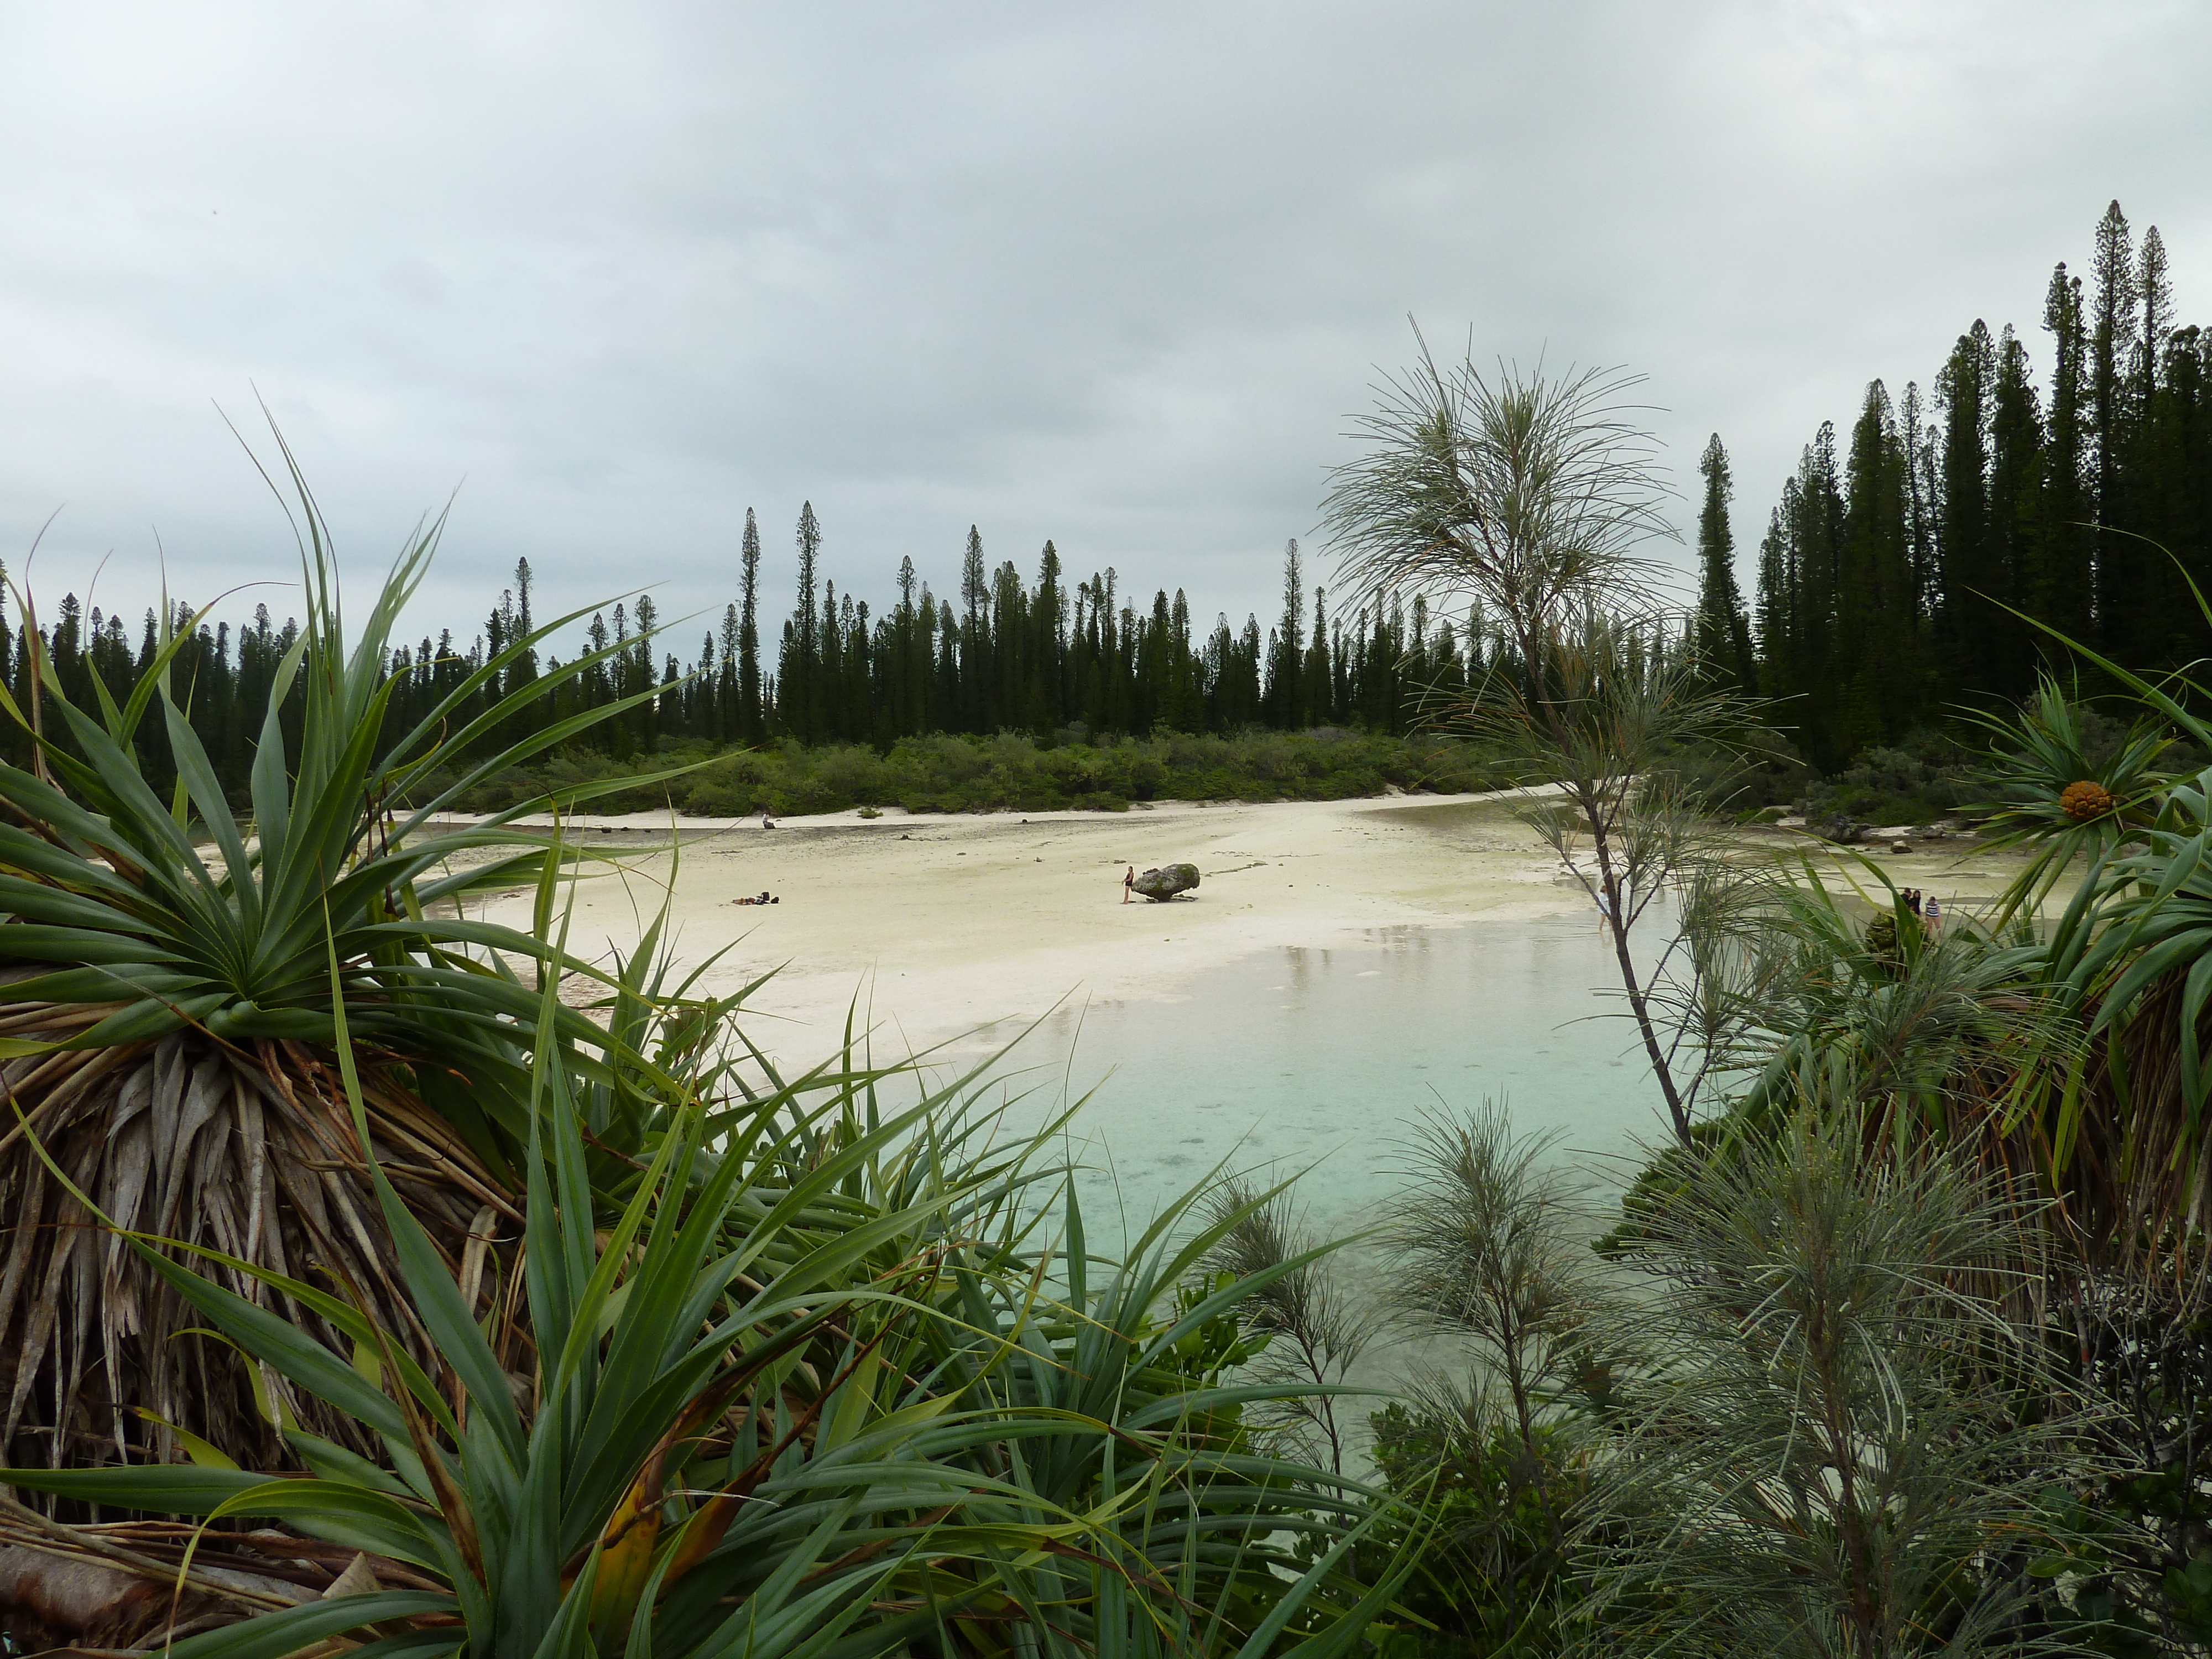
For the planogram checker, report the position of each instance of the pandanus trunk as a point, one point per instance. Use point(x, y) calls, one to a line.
point(246, 1153)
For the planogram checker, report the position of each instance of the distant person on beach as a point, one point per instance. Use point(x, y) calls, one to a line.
point(1128, 883)
point(1932, 913)
point(767, 823)
point(1604, 913)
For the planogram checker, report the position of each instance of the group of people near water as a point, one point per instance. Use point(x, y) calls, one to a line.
point(766, 897)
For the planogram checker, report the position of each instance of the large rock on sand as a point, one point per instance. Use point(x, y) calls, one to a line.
point(1164, 883)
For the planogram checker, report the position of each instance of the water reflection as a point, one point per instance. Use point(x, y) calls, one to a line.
point(1318, 1059)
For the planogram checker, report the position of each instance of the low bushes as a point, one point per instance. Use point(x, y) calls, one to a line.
point(1010, 772)
point(1925, 778)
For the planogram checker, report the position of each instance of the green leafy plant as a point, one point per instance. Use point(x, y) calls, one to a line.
point(2130, 958)
point(1531, 496)
point(1305, 1327)
point(166, 1022)
point(807, 1391)
point(1480, 1515)
point(2065, 790)
point(1487, 1262)
point(1843, 1443)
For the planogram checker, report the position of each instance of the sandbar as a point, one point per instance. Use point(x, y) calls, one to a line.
point(929, 927)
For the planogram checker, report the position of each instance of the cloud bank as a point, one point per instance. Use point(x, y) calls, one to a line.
point(1114, 276)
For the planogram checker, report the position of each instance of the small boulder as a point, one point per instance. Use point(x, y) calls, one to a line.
point(1166, 883)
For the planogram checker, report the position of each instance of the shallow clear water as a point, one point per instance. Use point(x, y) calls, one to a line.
point(1297, 1058)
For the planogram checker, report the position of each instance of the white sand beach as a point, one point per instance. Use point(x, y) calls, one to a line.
point(1233, 1040)
point(938, 925)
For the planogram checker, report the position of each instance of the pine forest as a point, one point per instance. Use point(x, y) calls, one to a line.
point(1899, 582)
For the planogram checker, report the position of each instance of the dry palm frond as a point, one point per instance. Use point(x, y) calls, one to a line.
point(2132, 1161)
point(138, 1584)
point(242, 1151)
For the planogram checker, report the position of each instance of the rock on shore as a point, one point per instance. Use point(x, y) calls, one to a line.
point(1164, 883)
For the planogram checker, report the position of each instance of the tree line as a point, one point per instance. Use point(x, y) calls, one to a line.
point(1902, 562)
point(1012, 654)
point(1895, 582)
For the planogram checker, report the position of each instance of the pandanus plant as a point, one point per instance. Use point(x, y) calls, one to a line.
point(2082, 1058)
point(833, 1380)
point(2062, 795)
point(2128, 958)
point(166, 1025)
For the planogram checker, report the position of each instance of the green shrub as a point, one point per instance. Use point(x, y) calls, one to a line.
point(1922, 780)
point(1012, 772)
point(709, 800)
point(851, 772)
point(1493, 1577)
point(1740, 783)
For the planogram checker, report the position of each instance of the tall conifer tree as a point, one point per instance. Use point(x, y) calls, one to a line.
point(974, 636)
point(1973, 584)
point(752, 711)
point(1878, 655)
point(2016, 520)
point(1722, 637)
point(800, 700)
point(1287, 660)
point(2061, 582)
point(1049, 645)
point(2112, 339)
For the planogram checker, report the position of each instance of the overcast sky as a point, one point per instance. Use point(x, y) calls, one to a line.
point(1114, 275)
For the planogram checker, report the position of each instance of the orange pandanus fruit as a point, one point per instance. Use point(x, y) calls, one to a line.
point(2085, 801)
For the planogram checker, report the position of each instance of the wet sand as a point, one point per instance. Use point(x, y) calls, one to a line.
point(933, 925)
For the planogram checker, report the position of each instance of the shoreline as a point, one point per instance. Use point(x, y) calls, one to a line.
point(936, 926)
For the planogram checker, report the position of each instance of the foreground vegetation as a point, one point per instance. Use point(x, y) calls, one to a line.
point(377, 1277)
point(538, 1329)
point(1920, 1363)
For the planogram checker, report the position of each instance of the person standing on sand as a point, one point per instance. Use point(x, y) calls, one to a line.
point(1931, 914)
point(1128, 883)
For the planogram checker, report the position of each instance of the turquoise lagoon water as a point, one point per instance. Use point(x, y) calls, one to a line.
point(1321, 1060)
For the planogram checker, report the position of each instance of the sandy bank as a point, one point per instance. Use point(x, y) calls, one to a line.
point(941, 924)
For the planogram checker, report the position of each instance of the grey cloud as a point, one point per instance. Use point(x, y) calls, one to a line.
point(1114, 275)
